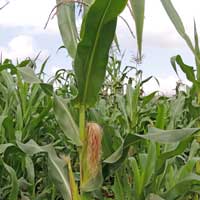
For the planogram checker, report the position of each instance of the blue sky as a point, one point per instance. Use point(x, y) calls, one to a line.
point(22, 35)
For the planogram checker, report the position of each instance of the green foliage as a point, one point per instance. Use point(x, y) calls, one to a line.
point(97, 33)
point(67, 25)
point(66, 121)
point(138, 8)
point(150, 143)
point(56, 167)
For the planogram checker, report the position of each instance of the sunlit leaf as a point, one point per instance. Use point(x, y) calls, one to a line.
point(97, 34)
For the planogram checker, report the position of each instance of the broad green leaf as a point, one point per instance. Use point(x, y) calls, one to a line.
point(28, 75)
point(66, 121)
point(176, 20)
point(97, 33)
point(168, 136)
point(57, 167)
point(67, 25)
point(138, 8)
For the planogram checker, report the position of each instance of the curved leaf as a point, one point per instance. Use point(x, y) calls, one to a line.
point(97, 33)
point(188, 70)
point(115, 161)
point(66, 121)
point(57, 167)
point(168, 136)
point(116, 156)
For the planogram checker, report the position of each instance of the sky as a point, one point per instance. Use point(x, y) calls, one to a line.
point(22, 35)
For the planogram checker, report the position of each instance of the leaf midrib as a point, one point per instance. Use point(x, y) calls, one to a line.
point(61, 175)
point(93, 53)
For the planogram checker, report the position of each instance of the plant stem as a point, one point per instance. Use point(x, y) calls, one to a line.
point(82, 122)
point(84, 196)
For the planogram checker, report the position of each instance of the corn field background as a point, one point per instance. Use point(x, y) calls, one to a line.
point(90, 132)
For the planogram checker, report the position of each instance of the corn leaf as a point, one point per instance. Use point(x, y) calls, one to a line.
point(97, 33)
point(66, 121)
point(138, 8)
point(188, 70)
point(57, 167)
point(28, 75)
point(67, 26)
point(168, 136)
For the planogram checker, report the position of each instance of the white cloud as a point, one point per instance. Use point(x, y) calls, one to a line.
point(20, 47)
point(26, 13)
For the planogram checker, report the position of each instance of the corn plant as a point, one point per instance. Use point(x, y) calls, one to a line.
point(90, 132)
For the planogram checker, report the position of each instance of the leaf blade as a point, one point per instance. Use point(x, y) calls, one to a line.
point(97, 32)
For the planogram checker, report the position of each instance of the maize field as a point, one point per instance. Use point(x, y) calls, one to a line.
point(90, 132)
